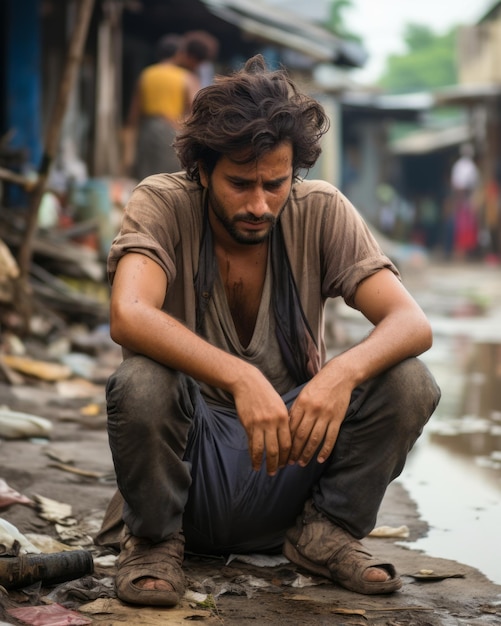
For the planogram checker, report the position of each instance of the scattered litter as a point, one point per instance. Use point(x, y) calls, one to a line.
point(78, 388)
point(60, 456)
point(106, 608)
point(86, 589)
point(49, 615)
point(105, 560)
point(12, 542)
point(431, 575)
point(259, 560)
point(91, 410)
point(80, 533)
point(228, 588)
point(12, 344)
point(303, 581)
point(390, 531)
point(340, 611)
point(47, 544)
point(80, 364)
point(43, 370)
point(10, 496)
point(195, 596)
point(54, 511)
point(252, 581)
point(75, 470)
point(17, 425)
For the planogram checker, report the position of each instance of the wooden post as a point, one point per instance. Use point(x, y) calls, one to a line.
point(73, 61)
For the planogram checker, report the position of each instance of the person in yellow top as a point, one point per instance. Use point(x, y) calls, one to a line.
point(162, 99)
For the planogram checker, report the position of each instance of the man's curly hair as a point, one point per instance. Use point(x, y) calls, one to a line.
point(247, 114)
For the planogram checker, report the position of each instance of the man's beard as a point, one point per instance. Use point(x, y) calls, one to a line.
point(230, 224)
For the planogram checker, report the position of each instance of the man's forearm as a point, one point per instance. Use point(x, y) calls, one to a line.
point(401, 335)
point(162, 338)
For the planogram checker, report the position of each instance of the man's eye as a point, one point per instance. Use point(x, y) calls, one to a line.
point(274, 186)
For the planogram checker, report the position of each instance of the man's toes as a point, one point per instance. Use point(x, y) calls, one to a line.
point(153, 583)
point(376, 575)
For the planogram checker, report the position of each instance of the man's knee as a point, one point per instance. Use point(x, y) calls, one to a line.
point(138, 381)
point(411, 383)
point(411, 395)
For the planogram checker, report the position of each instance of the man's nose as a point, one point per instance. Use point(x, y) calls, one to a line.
point(258, 202)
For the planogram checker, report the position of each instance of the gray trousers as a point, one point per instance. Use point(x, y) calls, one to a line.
point(183, 464)
point(154, 151)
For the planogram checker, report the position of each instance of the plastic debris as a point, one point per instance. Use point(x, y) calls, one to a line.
point(9, 496)
point(49, 615)
point(17, 425)
point(54, 511)
point(43, 370)
point(13, 542)
point(390, 531)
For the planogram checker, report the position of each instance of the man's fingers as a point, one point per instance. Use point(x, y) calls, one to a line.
point(299, 438)
point(329, 442)
point(275, 444)
point(310, 439)
point(256, 449)
point(284, 445)
point(295, 416)
point(312, 444)
point(274, 452)
point(320, 442)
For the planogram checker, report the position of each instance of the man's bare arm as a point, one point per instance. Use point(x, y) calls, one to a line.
point(138, 323)
point(401, 330)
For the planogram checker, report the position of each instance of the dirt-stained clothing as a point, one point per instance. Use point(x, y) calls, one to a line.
point(180, 452)
point(329, 247)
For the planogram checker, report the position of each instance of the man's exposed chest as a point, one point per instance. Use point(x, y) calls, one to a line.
point(243, 279)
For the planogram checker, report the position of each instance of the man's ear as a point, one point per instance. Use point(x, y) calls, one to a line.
point(204, 178)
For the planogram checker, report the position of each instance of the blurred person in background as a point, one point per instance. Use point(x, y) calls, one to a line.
point(161, 101)
point(490, 203)
point(464, 183)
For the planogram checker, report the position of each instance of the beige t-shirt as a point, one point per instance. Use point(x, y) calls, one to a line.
point(330, 248)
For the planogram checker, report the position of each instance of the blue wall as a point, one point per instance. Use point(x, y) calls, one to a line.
point(22, 75)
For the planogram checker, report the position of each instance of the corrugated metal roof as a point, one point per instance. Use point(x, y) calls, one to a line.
point(430, 140)
point(464, 94)
point(387, 102)
point(289, 30)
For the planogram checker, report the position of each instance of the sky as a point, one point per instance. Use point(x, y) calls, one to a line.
point(381, 24)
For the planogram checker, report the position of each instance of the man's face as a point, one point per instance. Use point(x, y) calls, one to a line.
point(246, 199)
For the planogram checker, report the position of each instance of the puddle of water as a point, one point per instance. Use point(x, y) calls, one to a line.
point(454, 471)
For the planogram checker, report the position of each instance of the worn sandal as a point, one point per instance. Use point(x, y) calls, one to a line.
point(141, 558)
point(322, 548)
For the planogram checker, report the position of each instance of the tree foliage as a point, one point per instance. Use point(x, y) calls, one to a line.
point(336, 22)
point(428, 63)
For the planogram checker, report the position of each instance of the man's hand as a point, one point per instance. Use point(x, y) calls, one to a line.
point(265, 418)
point(400, 330)
point(316, 417)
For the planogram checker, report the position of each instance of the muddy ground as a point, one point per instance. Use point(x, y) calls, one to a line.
point(73, 466)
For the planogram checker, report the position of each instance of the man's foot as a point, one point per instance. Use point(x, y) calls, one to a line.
point(153, 583)
point(321, 547)
point(150, 573)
